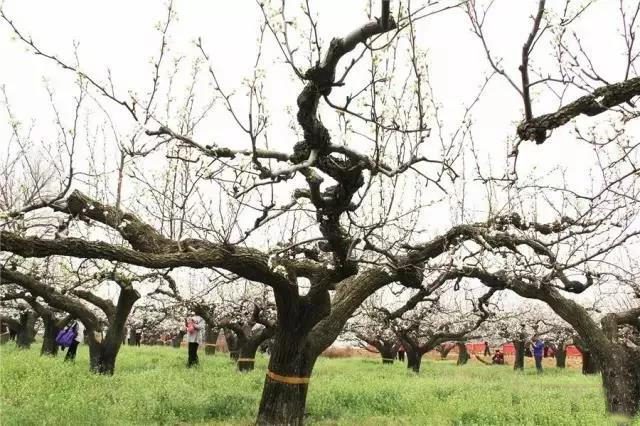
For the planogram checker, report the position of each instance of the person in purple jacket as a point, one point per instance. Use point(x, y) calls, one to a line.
point(538, 352)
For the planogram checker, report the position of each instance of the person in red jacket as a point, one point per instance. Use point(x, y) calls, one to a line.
point(498, 357)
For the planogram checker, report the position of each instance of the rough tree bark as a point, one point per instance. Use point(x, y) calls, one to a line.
point(247, 355)
point(444, 350)
point(463, 353)
point(519, 347)
point(589, 364)
point(560, 355)
point(244, 339)
point(51, 328)
point(4, 333)
point(621, 380)
point(11, 326)
point(388, 352)
point(285, 388)
point(306, 327)
point(232, 344)
point(210, 339)
point(132, 336)
point(102, 355)
point(387, 348)
point(601, 100)
point(415, 350)
point(23, 327)
point(26, 332)
point(177, 339)
point(619, 364)
point(245, 342)
point(414, 357)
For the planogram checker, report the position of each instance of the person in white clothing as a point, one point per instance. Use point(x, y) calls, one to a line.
point(195, 329)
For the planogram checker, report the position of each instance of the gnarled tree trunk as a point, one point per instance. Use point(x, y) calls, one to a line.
point(12, 325)
point(26, 332)
point(249, 346)
point(49, 345)
point(621, 380)
point(388, 353)
point(4, 333)
point(244, 340)
point(444, 350)
point(210, 339)
point(304, 331)
point(560, 354)
point(232, 344)
point(518, 362)
point(103, 354)
point(52, 327)
point(589, 363)
point(285, 387)
point(414, 357)
point(247, 355)
point(463, 353)
point(386, 348)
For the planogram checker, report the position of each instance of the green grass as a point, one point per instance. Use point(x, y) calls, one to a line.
point(152, 386)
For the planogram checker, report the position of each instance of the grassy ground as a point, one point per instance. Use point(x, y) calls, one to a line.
point(152, 386)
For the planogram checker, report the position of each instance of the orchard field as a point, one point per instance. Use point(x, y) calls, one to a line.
point(152, 386)
point(291, 174)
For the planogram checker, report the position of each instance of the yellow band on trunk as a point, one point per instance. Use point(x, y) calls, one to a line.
point(289, 380)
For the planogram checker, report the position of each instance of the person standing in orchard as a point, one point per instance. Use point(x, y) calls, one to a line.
point(194, 326)
point(79, 337)
point(538, 350)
